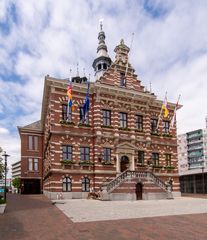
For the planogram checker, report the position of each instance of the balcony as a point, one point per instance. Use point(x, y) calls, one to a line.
point(196, 153)
point(193, 141)
point(194, 147)
point(195, 134)
point(195, 165)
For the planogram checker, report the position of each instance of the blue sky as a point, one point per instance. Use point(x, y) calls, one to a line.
point(49, 37)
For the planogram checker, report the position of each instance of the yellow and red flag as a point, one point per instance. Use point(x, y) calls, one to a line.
point(165, 108)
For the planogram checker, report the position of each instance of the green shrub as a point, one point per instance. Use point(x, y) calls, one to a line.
point(67, 162)
point(2, 201)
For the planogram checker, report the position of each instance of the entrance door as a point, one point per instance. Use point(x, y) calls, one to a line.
point(124, 163)
point(139, 191)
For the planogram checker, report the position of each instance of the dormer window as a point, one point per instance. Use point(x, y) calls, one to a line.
point(122, 80)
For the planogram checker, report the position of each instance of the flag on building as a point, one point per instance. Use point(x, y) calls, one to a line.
point(86, 103)
point(69, 94)
point(165, 107)
point(174, 114)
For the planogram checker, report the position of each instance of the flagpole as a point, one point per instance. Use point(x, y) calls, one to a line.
point(68, 108)
point(158, 123)
point(174, 113)
point(86, 103)
point(129, 54)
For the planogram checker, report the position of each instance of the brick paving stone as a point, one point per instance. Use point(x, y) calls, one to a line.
point(31, 217)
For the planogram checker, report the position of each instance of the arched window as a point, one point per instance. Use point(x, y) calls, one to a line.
point(104, 66)
point(67, 184)
point(122, 80)
point(85, 184)
point(99, 66)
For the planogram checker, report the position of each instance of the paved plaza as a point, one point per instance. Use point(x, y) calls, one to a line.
point(34, 217)
point(83, 210)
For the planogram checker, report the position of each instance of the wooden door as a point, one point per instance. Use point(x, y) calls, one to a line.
point(139, 191)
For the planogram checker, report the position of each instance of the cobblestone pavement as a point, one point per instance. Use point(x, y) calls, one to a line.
point(83, 210)
point(34, 217)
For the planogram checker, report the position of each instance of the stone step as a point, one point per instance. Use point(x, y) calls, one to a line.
point(130, 187)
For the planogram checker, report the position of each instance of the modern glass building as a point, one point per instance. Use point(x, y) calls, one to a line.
point(192, 161)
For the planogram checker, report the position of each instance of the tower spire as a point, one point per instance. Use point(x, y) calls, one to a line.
point(101, 24)
point(102, 61)
point(77, 74)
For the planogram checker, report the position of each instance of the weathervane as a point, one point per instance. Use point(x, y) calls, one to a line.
point(77, 69)
point(101, 23)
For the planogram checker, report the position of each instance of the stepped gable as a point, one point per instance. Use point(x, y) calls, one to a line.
point(117, 70)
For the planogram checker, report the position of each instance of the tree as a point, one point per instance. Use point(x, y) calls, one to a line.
point(16, 182)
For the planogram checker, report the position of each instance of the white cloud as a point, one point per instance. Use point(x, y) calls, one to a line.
point(50, 37)
point(3, 131)
point(4, 7)
point(10, 143)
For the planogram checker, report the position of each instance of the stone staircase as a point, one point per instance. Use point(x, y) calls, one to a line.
point(123, 187)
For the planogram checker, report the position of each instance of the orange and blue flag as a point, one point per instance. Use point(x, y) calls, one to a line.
point(69, 94)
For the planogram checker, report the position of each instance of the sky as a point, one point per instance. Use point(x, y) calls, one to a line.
point(37, 38)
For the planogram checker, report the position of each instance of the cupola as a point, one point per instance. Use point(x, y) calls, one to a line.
point(102, 62)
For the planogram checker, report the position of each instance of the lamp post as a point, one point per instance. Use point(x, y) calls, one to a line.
point(5, 155)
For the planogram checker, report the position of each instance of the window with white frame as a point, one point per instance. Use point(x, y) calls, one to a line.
point(155, 159)
point(166, 126)
point(107, 154)
point(30, 164)
point(84, 118)
point(122, 80)
point(141, 157)
point(154, 125)
point(139, 122)
point(85, 154)
point(67, 152)
point(168, 159)
point(123, 120)
point(33, 143)
point(36, 164)
point(66, 112)
point(85, 184)
point(67, 184)
point(106, 117)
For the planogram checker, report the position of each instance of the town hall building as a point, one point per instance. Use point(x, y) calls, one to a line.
point(119, 146)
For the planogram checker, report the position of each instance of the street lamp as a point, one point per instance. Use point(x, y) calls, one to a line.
point(5, 155)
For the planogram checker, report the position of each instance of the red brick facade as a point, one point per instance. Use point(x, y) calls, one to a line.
point(124, 142)
point(31, 158)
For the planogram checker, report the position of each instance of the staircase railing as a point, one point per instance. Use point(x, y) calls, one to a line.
point(117, 181)
point(136, 174)
point(159, 182)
